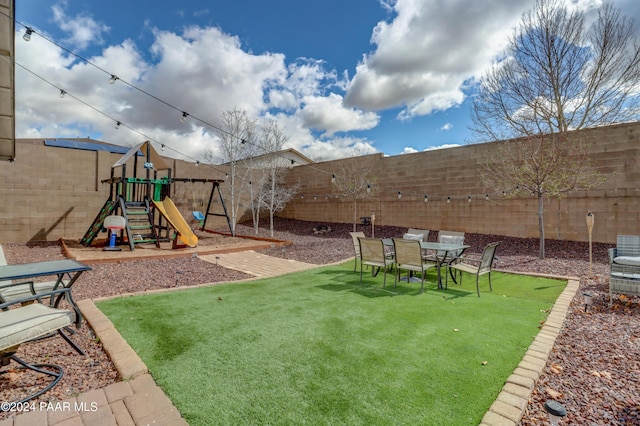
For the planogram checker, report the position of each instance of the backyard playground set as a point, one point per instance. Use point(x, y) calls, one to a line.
point(139, 210)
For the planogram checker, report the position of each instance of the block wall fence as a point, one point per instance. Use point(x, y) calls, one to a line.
point(454, 173)
point(50, 193)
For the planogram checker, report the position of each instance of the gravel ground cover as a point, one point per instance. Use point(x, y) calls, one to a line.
point(594, 369)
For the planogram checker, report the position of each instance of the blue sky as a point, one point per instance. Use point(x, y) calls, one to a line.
point(341, 77)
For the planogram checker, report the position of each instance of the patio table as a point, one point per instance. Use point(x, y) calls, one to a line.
point(441, 247)
point(21, 271)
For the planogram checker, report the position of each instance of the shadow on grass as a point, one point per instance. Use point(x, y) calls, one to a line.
point(371, 286)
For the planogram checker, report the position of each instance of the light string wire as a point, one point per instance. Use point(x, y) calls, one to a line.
point(185, 114)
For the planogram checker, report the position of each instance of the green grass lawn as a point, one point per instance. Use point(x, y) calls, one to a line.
point(318, 348)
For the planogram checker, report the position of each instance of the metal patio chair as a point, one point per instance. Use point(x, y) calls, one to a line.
point(477, 265)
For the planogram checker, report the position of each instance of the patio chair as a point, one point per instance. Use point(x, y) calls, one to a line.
point(624, 264)
point(416, 234)
point(372, 254)
point(356, 247)
point(476, 265)
point(408, 254)
point(28, 319)
point(448, 237)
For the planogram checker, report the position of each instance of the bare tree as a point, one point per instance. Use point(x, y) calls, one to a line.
point(238, 130)
point(276, 195)
point(354, 181)
point(559, 74)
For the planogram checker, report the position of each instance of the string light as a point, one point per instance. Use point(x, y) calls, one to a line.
point(333, 179)
point(27, 34)
point(162, 147)
point(368, 187)
point(486, 197)
point(399, 195)
point(469, 199)
point(426, 198)
point(197, 163)
point(113, 78)
point(118, 125)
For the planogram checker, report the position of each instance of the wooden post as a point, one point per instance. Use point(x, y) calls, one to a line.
point(373, 221)
point(590, 220)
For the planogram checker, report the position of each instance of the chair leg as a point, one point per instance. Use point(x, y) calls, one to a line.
point(384, 279)
point(490, 287)
point(478, 284)
point(422, 283)
point(56, 374)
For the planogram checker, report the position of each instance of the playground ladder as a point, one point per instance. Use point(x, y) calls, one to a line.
point(108, 208)
point(140, 229)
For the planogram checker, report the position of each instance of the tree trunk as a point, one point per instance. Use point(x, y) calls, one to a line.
point(355, 213)
point(541, 223)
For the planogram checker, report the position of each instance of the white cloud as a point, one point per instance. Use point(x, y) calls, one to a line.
point(446, 127)
point(443, 146)
point(426, 54)
point(329, 113)
point(82, 29)
point(409, 150)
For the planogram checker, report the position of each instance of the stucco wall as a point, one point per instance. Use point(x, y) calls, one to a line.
point(7, 81)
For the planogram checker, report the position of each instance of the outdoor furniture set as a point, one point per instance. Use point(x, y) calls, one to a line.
point(31, 311)
point(414, 254)
point(624, 263)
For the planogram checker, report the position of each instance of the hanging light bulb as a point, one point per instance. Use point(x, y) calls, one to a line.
point(448, 200)
point(162, 147)
point(333, 178)
point(113, 79)
point(486, 197)
point(197, 163)
point(118, 125)
point(27, 34)
point(426, 198)
point(469, 199)
point(62, 93)
point(368, 187)
point(184, 116)
point(399, 195)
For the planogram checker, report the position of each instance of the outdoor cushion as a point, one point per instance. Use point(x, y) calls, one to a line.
point(627, 260)
point(418, 237)
point(29, 322)
point(451, 239)
point(626, 275)
point(11, 294)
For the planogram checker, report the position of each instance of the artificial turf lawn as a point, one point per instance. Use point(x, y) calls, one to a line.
point(317, 347)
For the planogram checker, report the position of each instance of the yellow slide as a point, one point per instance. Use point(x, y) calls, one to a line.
point(175, 219)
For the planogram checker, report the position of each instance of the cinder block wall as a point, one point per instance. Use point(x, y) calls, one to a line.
point(454, 173)
point(50, 193)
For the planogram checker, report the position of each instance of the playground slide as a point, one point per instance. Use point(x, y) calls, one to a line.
point(173, 216)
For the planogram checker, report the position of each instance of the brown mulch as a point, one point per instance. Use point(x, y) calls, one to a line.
point(594, 369)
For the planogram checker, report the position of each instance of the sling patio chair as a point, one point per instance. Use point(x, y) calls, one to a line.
point(476, 265)
point(408, 256)
point(372, 254)
point(356, 247)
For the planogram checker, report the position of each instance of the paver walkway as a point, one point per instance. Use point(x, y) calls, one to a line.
point(256, 264)
point(139, 401)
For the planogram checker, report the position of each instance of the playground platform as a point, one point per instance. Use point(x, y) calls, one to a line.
point(209, 243)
